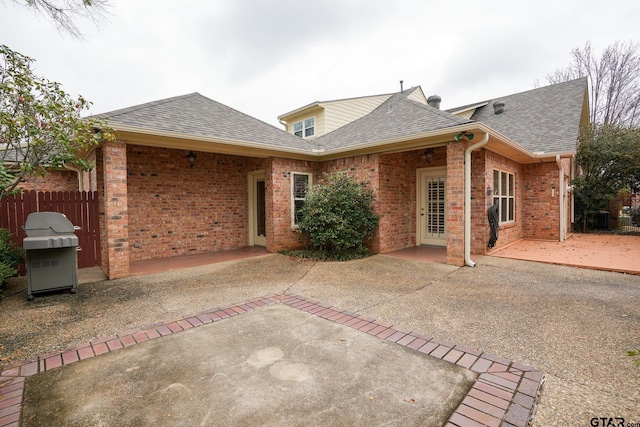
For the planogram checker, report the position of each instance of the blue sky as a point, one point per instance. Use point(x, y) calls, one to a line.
point(269, 57)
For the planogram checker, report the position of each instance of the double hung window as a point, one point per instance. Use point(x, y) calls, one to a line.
point(305, 128)
point(503, 195)
point(300, 183)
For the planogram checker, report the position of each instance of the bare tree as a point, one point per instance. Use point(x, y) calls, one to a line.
point(63, 12)
point(614, 78)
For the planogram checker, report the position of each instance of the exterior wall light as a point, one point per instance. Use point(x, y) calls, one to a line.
point(191, 158)
point(428, 154)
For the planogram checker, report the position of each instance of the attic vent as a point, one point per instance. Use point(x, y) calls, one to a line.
point(498, 107)
point(434, 101)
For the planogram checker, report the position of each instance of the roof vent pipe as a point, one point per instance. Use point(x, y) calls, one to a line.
point(498, 107)
point(401, 85)
point(434, 101)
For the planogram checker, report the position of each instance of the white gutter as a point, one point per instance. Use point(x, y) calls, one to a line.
point(561, 192)
point(79, 171)
point(467, 198)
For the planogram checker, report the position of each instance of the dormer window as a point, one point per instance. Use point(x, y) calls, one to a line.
point(305, 128)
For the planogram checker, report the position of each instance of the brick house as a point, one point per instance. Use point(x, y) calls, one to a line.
point(190, 175)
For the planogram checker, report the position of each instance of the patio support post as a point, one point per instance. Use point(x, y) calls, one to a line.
point(467, 198)
point(113, 209)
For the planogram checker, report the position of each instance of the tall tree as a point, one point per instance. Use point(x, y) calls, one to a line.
point(40, 125)
point(614, 77)
point(609, 160)
point(63, 12)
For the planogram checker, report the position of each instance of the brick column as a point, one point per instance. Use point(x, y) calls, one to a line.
point(455, 203)
point(113, 210)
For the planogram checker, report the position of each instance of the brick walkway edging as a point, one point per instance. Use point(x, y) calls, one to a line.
point(504, 394)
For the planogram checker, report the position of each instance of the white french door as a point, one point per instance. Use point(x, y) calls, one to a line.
point(432, 219)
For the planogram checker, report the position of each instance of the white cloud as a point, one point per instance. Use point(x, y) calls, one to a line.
point(271, 56)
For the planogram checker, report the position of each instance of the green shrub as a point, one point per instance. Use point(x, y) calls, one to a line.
point(318, 255)
point(338, 216)
point(10, 256)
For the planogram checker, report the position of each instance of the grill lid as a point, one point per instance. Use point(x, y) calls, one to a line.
point(47, 224)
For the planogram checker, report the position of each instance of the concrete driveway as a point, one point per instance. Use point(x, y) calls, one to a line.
point(575, 325)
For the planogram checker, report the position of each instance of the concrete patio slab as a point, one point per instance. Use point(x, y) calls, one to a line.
point(283, 360)
point(274, 366)
point(607, 252)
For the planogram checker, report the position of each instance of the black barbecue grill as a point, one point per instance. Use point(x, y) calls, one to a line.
point(51, 247)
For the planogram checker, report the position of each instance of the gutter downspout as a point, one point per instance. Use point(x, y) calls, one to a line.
point(80, 175)
point(561, 192)
point(467, 198)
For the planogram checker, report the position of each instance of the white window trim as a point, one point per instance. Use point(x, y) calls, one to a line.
point(304, 129)
point(498, 196)
point(293, 198)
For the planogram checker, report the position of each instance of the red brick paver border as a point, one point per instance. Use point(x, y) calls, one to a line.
point(504, 394)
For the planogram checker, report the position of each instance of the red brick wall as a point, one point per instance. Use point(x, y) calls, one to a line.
point(397, 196)
point(541, 220)
point(480, 177)
point(176, 210)
point(455, 203)
point(111, 167)
point(397, 201)
point(55, 180)
point(509, 231)
point(280, 233)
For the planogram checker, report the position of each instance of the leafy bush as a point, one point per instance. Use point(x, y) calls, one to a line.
point(318, 255)
point(338, 216)
point(10, 256)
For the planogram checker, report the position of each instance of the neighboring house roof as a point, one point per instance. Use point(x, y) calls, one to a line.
point(543, 120)
point(397, 118)
point(197, 115)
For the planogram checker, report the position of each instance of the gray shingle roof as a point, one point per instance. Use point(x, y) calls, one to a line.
point(397, 117)
point(197, 115)
point(541, 120)
point(546, 119)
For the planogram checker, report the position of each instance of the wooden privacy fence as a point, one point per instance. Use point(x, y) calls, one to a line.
point(80, 207)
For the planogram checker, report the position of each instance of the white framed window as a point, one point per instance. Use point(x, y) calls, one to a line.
point(300, 183)
point(305, 128)
point(504, 195)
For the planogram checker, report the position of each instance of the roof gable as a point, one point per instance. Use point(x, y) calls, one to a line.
point(197, 115)
point(542, 120)
point(378, 99)
point(398, 117)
